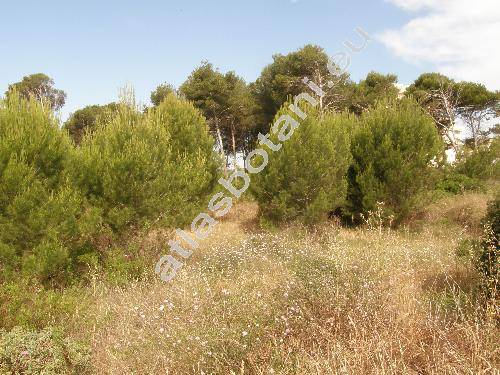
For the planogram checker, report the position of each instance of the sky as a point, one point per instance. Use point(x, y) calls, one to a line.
point(93, 48)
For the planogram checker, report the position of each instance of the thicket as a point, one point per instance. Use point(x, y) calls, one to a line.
point(395, 146)
point(306, 178)
point(472, 170)
point(139, 169)
point(481, 163)
point(44, 221)
point(56, 200)
point(457, 183)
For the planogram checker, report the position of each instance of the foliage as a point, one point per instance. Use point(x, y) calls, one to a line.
point(477, 105)
point(489, 259)
point(392, 147)
point(374, 87)
point(161, 92)
point(122, 266)
point(159, 166)
point(481, 163)
point(45, 352)
point(44, 222)
point(457, 183)
point(40, 87)
point(30, 132)
point(297, 184)
point(283, 78)
point(226, 102)
point(86, 119)
point(438, 96)
point(29, 304)
point(444, 100)
point(426, 83)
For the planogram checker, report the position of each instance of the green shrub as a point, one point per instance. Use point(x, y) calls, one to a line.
point(30, 133)
point(305, 179)
point(393, 147)
point(122, 266)
point(44, 222)
point(45, 352)
point(28, 304)
point(489, 259)
point(481, 163)
point(154, 167)
point(456, 183)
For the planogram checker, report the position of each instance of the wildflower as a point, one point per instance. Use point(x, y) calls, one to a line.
point(161, 307)
point(244, 333)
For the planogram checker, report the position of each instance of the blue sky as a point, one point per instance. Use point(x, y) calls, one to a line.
point(91, 48)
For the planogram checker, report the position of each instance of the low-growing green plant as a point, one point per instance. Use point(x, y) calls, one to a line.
point(469, 249)
point(45, 352)
point(28, 304)
point(122, 266)
point(456, 183)
point(489, 259)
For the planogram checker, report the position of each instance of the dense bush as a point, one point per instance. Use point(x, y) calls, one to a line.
point(157, 166)
point(30, 133)
point(482, 163)
point(393, 147)
point(46, 352)
point(44, 223)
point(305, 179)
point(457, 183)
point(27, 304)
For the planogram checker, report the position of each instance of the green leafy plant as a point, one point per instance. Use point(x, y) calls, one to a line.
point(305, 179)
point(481, 163)
point(456, 183)
point(156, 167)
point(45, 352)
point(393, 147)
point(44, 221)
point(489, 259)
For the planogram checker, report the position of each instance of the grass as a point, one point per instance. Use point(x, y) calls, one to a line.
point(301, 301)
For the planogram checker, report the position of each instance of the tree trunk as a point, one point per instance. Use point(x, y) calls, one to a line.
point(221, 145)
point(234, 145)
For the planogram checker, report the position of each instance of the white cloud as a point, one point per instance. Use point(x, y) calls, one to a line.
point(460, 37)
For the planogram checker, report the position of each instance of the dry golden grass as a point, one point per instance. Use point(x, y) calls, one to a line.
point(297, 301)
point(465, 210)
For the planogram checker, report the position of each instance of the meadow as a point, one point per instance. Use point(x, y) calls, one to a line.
point(299, 300)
